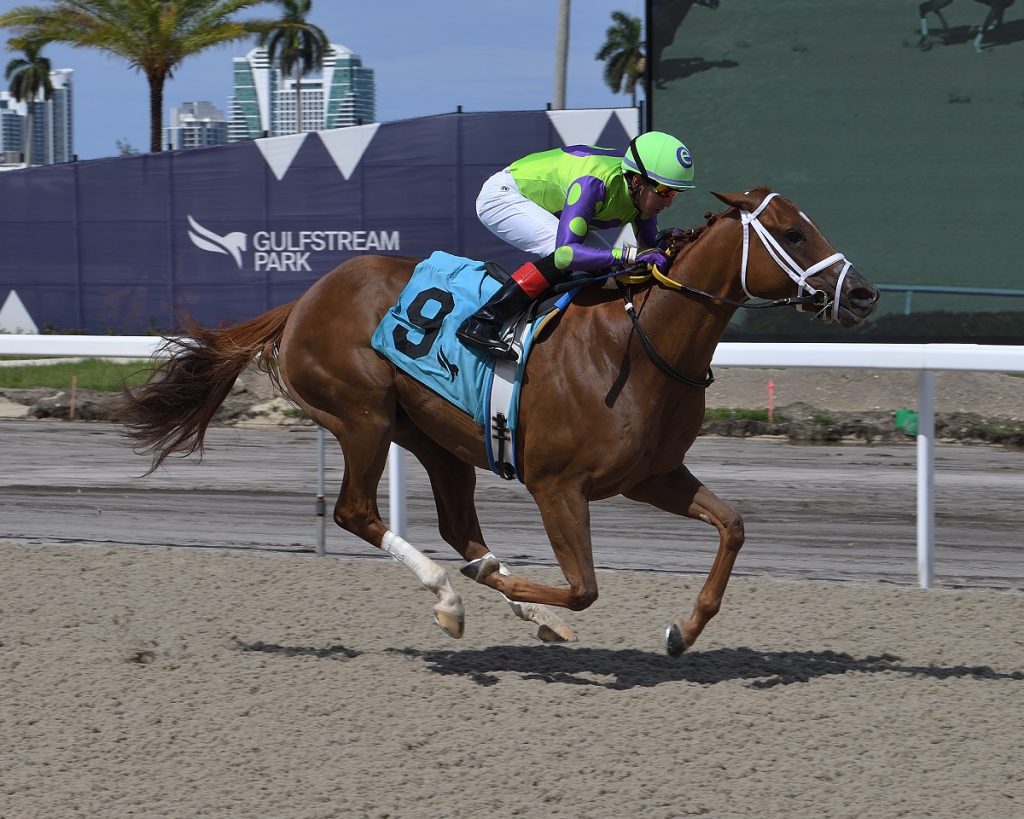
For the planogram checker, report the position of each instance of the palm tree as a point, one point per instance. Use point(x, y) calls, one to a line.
point(154, 36)
point(29, 77)
point(296, 46)
point(623, 54)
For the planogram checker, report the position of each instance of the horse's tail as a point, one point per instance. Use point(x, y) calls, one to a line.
point(171, 411)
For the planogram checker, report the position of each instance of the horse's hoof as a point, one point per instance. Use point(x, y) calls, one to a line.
point(559, 634)
point(451, 624)
point(674, 642)
point(481, 568)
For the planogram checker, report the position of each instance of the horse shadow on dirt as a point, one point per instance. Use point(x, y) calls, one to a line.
point(629, 668)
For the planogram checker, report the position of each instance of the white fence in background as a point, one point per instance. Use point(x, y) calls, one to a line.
point(925, 359)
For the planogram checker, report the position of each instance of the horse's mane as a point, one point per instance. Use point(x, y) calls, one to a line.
point(682, 239)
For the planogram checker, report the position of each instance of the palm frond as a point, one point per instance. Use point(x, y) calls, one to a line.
point(622, 53)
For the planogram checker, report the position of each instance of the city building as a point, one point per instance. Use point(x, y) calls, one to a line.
point(196, 125)
point(12, 130)
point(264, 102)
point(52, 124)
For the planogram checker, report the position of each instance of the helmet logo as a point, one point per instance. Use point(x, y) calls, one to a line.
point(684, 157)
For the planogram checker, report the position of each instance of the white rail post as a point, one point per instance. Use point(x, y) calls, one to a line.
point(396, 485)
point(925, 478)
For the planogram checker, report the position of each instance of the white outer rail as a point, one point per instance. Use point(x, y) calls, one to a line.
point(926, 359)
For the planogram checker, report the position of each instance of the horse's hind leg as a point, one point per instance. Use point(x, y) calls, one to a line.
point(934, 6)
point(993, 20)
point(453, 483)
point(365, 440)
point(682, 494)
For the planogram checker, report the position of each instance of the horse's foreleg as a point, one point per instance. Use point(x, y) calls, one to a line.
point(365, 446)
point(566, 516)
point(681, 493)
point(453, 483)
point(550, 627)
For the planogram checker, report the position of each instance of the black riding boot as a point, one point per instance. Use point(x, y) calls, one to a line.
point(483, 328)
point(529, 282)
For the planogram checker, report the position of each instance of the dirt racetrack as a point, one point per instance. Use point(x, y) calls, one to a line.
point(184, 682)
point(159, 682)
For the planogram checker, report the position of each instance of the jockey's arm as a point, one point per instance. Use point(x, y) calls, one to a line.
point(581, 202)
point(646, 231)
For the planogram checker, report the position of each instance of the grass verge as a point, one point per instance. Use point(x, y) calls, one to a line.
point(732, 414)
point(91, 373)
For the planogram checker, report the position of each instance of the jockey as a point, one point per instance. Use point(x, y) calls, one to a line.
point(546, 203)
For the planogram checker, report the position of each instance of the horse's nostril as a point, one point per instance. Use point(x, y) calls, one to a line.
point(864, 295)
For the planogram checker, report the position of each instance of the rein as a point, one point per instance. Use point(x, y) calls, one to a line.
point(798, 274)
point(818, 298)
point(655, 357)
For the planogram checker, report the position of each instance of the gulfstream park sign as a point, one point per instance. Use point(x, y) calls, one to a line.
point(290, 250)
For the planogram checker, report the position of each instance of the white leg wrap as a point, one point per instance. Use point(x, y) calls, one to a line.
point(448, 611)
point(429, 573)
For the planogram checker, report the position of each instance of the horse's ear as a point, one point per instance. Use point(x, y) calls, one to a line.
point(744, 201)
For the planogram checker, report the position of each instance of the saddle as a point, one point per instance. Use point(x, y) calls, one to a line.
point(418, 336)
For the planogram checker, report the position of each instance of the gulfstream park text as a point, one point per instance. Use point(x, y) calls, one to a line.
point(289, 250)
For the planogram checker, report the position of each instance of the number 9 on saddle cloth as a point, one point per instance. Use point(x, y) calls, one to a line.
point(418, 336)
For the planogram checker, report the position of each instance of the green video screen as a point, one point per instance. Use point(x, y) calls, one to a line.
point(904, 143)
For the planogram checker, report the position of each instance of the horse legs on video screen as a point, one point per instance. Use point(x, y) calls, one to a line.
point(935, 7)
point(993, 19)
point(680, 493)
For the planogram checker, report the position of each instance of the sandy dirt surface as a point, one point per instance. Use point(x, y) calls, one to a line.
point(992, 395)
point(185, 682)
point(987, 394)
point(148, 682)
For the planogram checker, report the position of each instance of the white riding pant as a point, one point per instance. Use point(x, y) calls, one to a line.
point(509, 215)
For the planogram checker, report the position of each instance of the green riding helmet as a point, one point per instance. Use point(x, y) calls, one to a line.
point(660, 157)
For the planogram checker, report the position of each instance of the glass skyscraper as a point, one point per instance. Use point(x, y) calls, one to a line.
point(196, 125)
point(12, 128)
point(52, 124)
point(264, 101)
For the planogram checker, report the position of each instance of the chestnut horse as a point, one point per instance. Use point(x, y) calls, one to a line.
point(597, 417)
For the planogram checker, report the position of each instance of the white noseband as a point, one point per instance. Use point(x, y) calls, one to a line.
point(785, 261)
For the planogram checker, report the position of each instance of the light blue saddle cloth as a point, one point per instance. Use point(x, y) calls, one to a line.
point(418, 333)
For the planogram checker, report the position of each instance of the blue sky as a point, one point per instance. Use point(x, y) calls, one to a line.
point(429, 56)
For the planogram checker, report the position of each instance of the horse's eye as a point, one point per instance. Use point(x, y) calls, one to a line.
point(793, 236)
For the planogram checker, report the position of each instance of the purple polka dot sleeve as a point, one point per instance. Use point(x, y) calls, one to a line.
point(570, 252)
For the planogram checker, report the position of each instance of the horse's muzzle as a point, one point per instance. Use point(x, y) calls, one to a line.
point(858, 299)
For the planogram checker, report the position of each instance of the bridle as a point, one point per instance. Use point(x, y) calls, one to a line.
point(798, 274)
point(790, 267)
